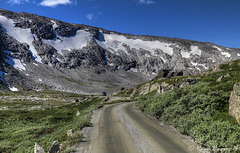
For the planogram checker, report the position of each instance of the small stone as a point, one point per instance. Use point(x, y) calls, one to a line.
point(70, 133)
point(78, 113)
point(220, 78)
point(38, 148)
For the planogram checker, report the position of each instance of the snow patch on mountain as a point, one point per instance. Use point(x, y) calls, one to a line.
point(197, 66)
point(21, 35)
point(195, 50)
point(13, 88)
point(226, 54)
point(185, 54)
point(54, 25)
point(134, 70)
point(78, 41)
point(16, 63)
point(238, 54)
point(218, 48)
point(115, 43)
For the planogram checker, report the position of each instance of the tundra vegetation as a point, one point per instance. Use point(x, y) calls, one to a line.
point(200, 110)
point(27, 117)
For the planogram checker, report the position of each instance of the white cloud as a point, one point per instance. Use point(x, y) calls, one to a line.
point(146, 2)
point(13, 2)
point(54, 3)
point(90, 16)
point(93, 16)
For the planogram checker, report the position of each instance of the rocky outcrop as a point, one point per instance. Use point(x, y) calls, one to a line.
point(164, 73)
point(161, 86)
point(234, 102)
point(148, 87)
point(55, 147)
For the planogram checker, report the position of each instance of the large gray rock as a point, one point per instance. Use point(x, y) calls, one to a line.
point(234, 102)
point(55, 147)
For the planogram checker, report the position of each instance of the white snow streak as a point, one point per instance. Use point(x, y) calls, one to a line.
point(238, 54)
point(21, 35)
point(218, 48)
point(54, 24)
point(226, 54)
point(134, 70)
point(197, 65)
point(114, 43)
point(13, 88)
point(35, 64)
point(78, 41)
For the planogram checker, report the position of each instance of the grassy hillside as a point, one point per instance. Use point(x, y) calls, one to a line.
point(200, 110)
point(42, 117)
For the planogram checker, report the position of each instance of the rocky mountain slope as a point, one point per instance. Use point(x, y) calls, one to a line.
point(42, 53)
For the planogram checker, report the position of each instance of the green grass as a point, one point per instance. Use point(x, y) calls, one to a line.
point(20, 129)
point(200, 110)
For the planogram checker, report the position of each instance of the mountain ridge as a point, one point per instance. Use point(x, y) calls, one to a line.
point(123, 33)
point(97, 60)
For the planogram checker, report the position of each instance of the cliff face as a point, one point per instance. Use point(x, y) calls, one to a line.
point(234, 102)
point(47, 53)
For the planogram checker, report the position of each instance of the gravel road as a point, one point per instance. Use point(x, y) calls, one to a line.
point(120, 128)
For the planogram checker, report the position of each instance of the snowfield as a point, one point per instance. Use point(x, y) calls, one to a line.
point(78, 41)
point(16, 63)
point(21, 35)
point(114, 43)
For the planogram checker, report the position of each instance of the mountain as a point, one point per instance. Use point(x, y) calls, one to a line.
point(38, 53)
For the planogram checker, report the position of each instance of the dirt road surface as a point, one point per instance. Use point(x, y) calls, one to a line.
point(122, 129)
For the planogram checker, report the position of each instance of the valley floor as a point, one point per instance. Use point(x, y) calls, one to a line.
point(121, 128)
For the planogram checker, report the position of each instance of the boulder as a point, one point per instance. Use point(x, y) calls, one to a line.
point(234, 102)
point(55, 147)
point(38, 148)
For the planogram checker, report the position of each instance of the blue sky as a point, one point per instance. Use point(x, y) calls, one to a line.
point(216, 21)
